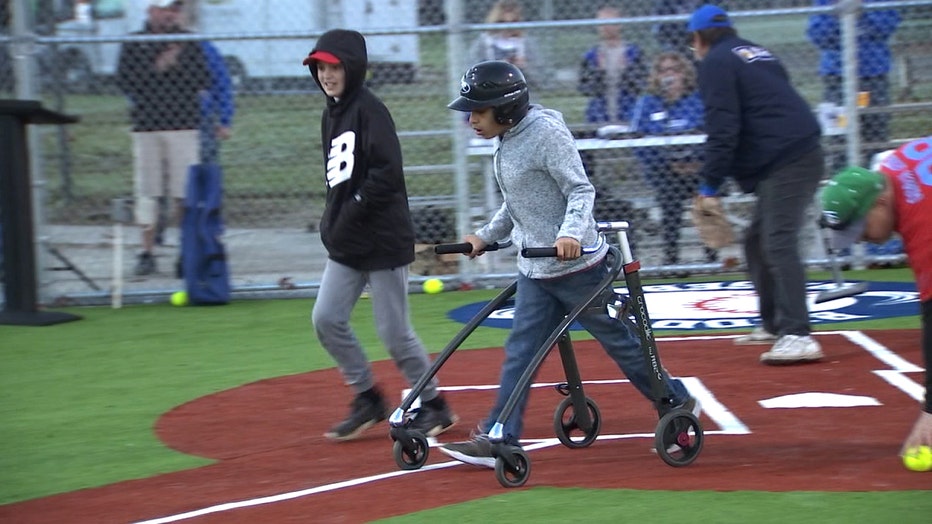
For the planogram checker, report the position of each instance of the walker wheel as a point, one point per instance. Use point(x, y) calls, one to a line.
point(411, 452)
point(513, 470)
point(678, 439)
point(567, 428)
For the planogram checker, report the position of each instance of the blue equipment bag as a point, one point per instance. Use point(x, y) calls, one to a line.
point(203, 257)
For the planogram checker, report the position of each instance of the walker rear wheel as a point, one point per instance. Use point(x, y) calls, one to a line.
point(567, 428)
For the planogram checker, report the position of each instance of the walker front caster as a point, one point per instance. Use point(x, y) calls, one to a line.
point(678, 439)
point(410, 449)
point(512, 466)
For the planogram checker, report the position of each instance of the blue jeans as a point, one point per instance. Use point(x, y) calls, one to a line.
point(540, 305)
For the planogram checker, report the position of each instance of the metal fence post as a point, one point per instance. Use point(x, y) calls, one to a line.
point(456, 50)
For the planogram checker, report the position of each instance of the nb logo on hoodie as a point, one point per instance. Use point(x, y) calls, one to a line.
point(340, 162)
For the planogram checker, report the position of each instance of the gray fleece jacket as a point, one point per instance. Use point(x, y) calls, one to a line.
point(546, 193)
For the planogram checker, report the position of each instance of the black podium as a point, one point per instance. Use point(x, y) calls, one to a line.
point(19, 256)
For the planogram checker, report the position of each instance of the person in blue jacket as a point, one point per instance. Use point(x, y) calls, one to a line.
point(671, 105)
point(763, 134)
point(612, 73)
point(217, 105)
point(874, 59)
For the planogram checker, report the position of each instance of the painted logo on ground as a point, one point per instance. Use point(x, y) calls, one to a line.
point(729, 305)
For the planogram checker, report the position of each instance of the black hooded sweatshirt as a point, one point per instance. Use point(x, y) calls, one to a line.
point(366, 223)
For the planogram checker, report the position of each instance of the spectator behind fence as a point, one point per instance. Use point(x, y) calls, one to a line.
point(763, 134)
point(671, 105)
point(612, 72)
point(217, 110)
point(874, 29)
point(163, 82)
point(674, 36)
point(896, 197)
point(367, 230)
point(514, 46)
point(217, 105)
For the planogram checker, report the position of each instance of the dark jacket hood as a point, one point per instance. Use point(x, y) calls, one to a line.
point(350, 47)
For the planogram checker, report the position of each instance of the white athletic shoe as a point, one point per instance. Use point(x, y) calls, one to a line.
point(791, 349)
point(759, 336)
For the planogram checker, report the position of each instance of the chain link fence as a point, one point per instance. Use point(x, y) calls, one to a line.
point(609, 67)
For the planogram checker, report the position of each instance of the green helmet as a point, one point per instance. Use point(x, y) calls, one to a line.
point(849, 195)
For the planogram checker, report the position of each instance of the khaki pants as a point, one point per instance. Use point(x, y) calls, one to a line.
point(160, 168)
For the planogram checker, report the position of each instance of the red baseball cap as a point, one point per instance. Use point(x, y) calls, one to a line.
point(321, 56)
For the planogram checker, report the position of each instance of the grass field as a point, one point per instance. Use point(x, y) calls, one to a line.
point(81, 398)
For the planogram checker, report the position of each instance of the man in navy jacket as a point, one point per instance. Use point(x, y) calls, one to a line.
point(762, 134)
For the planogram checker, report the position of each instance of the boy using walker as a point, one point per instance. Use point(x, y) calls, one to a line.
point(548, 201)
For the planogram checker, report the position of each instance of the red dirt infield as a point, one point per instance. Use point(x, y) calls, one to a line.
point(266, 438)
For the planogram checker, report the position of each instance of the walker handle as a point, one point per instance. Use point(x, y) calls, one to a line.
point(466, 247)
point(543, 252)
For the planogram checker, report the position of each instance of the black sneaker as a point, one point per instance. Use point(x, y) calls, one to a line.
point(431, 421)
point(364, 413)
point(477, 451)
point(145, 265)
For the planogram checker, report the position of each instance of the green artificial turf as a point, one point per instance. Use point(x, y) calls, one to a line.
point(554, 505)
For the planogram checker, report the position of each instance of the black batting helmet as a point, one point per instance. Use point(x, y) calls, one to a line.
point(496, 84)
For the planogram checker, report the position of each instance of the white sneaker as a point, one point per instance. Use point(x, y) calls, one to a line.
point(790, 349)
point(759, 336)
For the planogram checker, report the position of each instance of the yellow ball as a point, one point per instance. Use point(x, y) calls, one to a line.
point(179, 298)
point(433, 285)
point(918, 458)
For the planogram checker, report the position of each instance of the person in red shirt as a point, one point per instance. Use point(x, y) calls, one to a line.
point(859, 203)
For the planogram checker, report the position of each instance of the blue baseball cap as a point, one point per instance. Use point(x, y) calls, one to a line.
point(708, 16)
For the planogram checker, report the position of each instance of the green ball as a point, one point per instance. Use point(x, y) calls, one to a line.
point(179, 298)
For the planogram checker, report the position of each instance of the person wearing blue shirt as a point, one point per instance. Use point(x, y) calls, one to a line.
point(874, 60)
point(612, 73)
point(217, 105)
point(671, 105)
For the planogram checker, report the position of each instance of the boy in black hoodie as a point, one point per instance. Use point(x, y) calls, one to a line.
point(367, 230)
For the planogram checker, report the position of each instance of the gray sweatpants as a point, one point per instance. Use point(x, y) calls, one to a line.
point(771, 243)
point(340, 289)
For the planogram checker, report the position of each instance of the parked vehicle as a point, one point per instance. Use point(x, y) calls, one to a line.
point(256, 37)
